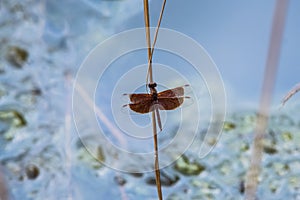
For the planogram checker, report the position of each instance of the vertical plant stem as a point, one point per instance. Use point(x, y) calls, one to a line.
point(266, 97)
point(156, 165)
point(154, 41)
point(158, 26)
point(3, 188)
point(68, 132)
point(147, 27)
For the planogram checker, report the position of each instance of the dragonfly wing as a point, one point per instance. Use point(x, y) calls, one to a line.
point(175, 92)
point(166, 100)
point(142, 107)
point(170, 103)
point(137, 98)
point(172, 98)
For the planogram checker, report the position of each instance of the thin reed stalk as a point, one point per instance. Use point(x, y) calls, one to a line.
point(266, 98)
point(90, 103)
point(291, 93)
point(68, 134)
point(155, 39)
point(152, 90)
point(3, 188)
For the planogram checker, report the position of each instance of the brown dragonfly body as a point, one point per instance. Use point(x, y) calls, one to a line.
point(165, 100)
point(155, 101)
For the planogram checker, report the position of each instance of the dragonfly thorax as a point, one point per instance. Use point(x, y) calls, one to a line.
point(154, 96)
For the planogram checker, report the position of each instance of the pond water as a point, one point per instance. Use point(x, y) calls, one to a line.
point(42, 154)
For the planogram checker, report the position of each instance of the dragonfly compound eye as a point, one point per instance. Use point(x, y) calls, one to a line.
point(152, 85)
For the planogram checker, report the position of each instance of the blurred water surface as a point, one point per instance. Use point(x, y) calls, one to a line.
point(43, 44)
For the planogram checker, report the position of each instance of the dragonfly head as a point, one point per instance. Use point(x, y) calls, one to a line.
point(152, 85)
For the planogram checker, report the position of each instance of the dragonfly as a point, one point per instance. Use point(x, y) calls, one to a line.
point(165, 100)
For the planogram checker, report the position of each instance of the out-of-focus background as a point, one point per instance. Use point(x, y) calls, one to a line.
point(43, 44)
